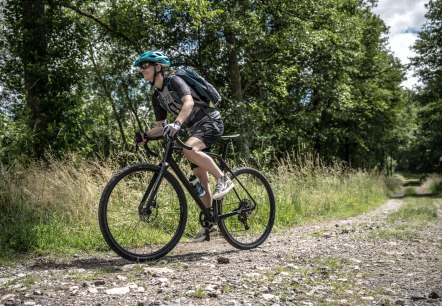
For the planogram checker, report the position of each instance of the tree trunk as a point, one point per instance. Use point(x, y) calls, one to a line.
point(35, 74)
point(234, 72)
point(348, 149)
point(316, 109)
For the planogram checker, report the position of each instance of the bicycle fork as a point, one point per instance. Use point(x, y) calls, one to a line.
point(149, 198)
point(145, 207)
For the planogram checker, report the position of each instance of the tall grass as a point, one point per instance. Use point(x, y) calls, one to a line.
point(433, 183)
point(52, 207)
point(306, 190)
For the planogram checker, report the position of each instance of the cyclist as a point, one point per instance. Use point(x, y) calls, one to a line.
point(203, 124)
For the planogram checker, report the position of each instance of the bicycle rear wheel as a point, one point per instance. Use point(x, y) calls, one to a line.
point(136, 231)
point(252, 205)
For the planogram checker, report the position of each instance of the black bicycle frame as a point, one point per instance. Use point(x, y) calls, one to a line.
point(168, 161)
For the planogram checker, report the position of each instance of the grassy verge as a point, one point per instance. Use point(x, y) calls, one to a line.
point(433, 184)
point(413, 218)
point(52, 208)
point(308, 191)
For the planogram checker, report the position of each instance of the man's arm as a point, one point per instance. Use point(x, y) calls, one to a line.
point(187, 108)
point(183, 90)
point(173, 128)
point(157, 130)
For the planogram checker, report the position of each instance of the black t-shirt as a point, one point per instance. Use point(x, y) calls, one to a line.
point(171, 96)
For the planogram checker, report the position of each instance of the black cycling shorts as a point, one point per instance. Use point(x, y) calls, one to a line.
point(209, 131)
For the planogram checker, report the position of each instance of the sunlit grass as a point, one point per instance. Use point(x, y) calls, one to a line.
point(307, 190)
point(433, 184)
point(416, 209)
point(53, 207)
point(413, 218)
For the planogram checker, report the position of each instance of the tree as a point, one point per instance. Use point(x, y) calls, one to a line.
point(303, 76)
point(428, 64)
point(43, 67)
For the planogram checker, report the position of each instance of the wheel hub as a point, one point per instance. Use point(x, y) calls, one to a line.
point(148, 212)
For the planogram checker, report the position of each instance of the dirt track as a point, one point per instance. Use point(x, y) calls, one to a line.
point(328, 263)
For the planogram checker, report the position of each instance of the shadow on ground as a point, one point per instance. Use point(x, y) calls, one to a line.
point(412, 189)
point(420, 195)
point(114, 264)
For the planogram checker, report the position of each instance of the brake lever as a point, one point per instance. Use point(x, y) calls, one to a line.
point(175, 137)
point(179, 142)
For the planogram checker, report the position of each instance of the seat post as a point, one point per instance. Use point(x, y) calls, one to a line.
point(225, 149)
point(228, 140)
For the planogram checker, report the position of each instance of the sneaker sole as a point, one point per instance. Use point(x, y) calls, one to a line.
point(203, 238)
point(222, 194)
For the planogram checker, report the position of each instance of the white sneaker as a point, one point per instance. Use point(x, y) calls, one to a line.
point(201, 235)
point(222, 187)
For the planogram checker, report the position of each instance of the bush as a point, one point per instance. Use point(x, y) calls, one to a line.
point(394, 183)
point(433, 183)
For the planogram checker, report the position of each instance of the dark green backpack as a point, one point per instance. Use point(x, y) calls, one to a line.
point(205, 90)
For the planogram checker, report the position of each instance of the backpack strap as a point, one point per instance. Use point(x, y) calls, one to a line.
point(173, 93)
point(160, 99)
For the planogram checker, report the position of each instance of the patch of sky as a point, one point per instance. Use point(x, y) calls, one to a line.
point(307, 97)
point(411, 30)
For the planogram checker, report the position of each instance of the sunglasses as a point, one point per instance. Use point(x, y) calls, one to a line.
point(145, 66)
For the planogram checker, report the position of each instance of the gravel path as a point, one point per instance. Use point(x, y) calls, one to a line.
point(345, 262)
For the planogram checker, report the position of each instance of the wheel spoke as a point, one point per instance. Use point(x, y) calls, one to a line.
point(248, 228)
point(142, 237)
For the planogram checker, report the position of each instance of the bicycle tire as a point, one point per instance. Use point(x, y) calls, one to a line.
point(140, 236)
point(259, 220)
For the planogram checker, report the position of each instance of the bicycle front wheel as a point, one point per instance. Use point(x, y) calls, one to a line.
point(250, 210)
point(137, 230)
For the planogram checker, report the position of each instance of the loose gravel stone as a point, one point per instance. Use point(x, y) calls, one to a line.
point(332, 263)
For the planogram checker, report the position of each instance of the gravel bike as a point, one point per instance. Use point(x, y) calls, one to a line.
point(143, 208)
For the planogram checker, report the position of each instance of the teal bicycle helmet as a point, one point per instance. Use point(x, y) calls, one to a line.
point(153, 57)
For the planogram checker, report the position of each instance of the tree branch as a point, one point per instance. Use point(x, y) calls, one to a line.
point(101, 23)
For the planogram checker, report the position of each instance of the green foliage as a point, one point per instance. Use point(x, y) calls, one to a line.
point(427, 46)
point(48, 50)
point(426, 154)
point(14, 139)
point(433, 184)
point(312, 77)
